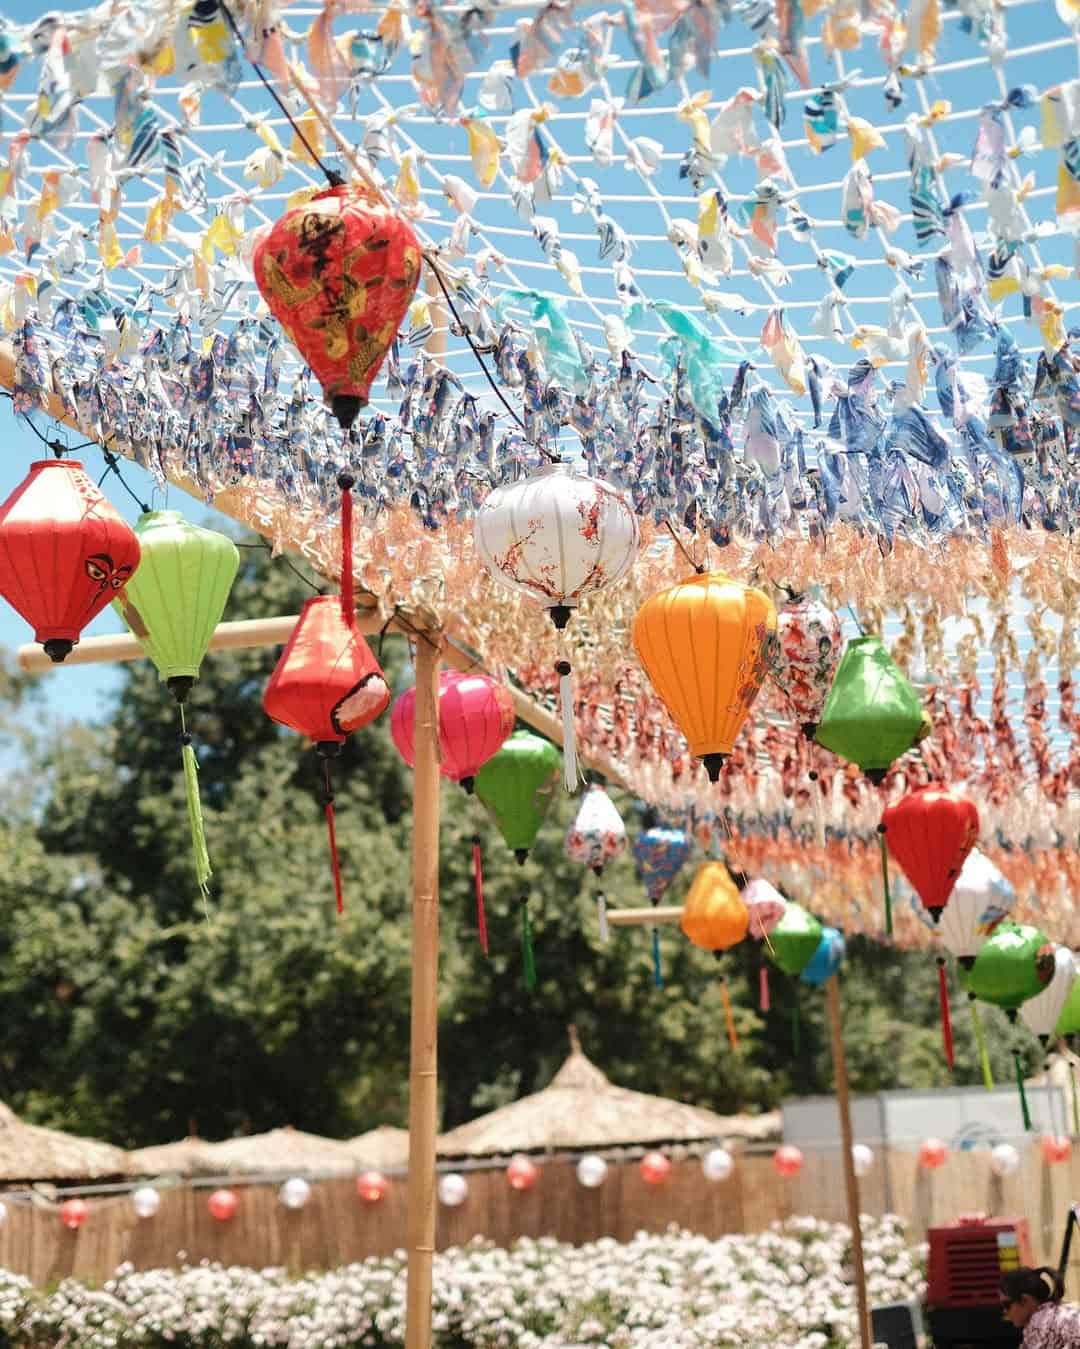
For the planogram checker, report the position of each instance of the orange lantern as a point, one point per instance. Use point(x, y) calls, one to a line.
point(73, 1213)
point(655, 1168)
point(932, 1154)
point(788, 1160)
point(222, 1205)
point(522, 1173)
point(707, 644)
point(1056, 1148)
point(716, 918)
point(372, 1187)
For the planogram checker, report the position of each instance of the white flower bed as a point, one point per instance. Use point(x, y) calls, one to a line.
point(788, 1288)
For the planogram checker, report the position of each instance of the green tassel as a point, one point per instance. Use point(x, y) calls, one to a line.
point(984, 1060)
point(1020, 1088)
point(194, 809)
point(885, 881)
point(528, 960)
point(795, 1027)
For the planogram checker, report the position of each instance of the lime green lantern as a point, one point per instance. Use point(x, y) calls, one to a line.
point(1014, 964)
point(517, 785)
point(1068, 1022)
point(872, 714)
point(173, 607)
point(795, 939)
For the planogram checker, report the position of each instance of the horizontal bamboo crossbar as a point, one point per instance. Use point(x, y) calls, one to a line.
point(643, 917)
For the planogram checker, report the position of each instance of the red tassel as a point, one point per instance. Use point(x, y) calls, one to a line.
point(348, 605)
point(946, 1019)
point(763, 988)
point(334, 857)
point(478, 877)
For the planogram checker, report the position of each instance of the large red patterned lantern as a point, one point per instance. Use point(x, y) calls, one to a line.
point(930, 832)
point(338, 272)
point(65, 553)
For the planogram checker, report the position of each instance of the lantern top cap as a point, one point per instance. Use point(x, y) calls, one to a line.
point(162, 518)
point(39, 464)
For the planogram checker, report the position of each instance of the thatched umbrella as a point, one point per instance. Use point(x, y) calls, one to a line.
point(30, 1152)
point(582, 1109)
point(382, 1149)
point(187, 1157)
point(282, 1151)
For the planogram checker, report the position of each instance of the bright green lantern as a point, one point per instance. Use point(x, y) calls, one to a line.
point(795, 940)
point(1068, 1023)
point(1014, 964)
point(872, 714)
point(517, 785)
point(172, 605)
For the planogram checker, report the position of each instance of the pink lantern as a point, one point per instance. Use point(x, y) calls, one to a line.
point(932, 1154)
point(73, 1213)
point(1056, 1148)
point(788, 1160)
point(655, 1168)
point(765, 905)
point(476, 714)
point(223, 1205)
point(522, 1174)
point(372, 1187)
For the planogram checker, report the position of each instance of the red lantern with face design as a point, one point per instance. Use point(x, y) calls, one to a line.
point(65, 553)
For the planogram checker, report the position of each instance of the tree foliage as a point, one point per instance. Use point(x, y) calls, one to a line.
point(135, 1013)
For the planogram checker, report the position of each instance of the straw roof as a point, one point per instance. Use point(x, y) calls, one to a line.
point(282, 1150)
point(187, 1157)
point(581, 1108)
point(30, 1152)
point(383, 1149)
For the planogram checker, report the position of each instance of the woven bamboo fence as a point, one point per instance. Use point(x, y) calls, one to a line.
point(337, 1227)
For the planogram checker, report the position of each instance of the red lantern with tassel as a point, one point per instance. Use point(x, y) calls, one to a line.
point(338, 272)
point(930, 832)
point(65, 553)
point(328, 683)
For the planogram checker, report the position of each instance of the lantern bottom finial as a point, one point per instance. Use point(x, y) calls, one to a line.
point(876, 775)
point(467, 784)
point(328, 749)
point(713, 764)
point(1044, 1040)
point(521, 854)
point(560, 615)
point(180, 686)
point(346, 408)
point(809, 729)
point(58, 649)
point(1011, 1014)
point(935, 911)
point(966, 962)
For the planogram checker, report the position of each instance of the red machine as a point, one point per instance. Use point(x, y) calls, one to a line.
point(967, 1260)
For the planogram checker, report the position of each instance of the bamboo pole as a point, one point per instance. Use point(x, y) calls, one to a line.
point(851, 1181)
point(644, 917)
point(424, 1024)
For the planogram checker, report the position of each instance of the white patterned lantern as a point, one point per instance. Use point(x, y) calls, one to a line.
point(1041, 1013)
point(556, 537)
point(596, 837)
point(981, 898)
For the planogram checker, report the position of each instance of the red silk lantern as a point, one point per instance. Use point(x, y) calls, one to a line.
point(74, 1213)
point(932, 1154)
point(655, 1168)
point(522, 1174)
point(338, 272)
point(372, 1187)
point(788, 1160)
point(476, 714)
point(930, 832)
point(1056, 1148)
point(65, 553)
point(222, 1205)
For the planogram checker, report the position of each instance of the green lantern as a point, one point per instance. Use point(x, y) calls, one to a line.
point(872, 714)
point(1013, 965)
point(1068, 1023)
point(794, 940)
point(517, 785)
point(172, 605)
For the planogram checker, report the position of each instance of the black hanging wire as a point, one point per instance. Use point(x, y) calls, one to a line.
point(113, 466)
point(332, 176)
point(319, 590)
point(57, 446)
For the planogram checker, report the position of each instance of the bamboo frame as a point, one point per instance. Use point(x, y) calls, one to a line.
point(424, 1015)
point(644, 917)
point(851, 1180)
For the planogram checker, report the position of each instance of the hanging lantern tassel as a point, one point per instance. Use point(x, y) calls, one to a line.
point(796, 1028)
point(569, 748)
point(1019, 1067)
point(817, 794)
point(528, 959)
point(984, 1060)
point(478, 881)
point(657, 969)
point(729, 1018)
point(885, 879)
point(601, 911)
point(764, 1002)
point(325, 749)
point(194, 810)
point(946, 1018)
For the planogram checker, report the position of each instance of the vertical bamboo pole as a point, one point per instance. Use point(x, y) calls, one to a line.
point(423, 1057)
point(851, 1181)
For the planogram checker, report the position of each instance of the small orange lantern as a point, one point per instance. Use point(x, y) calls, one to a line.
point(707, 644)
point(716, 918)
